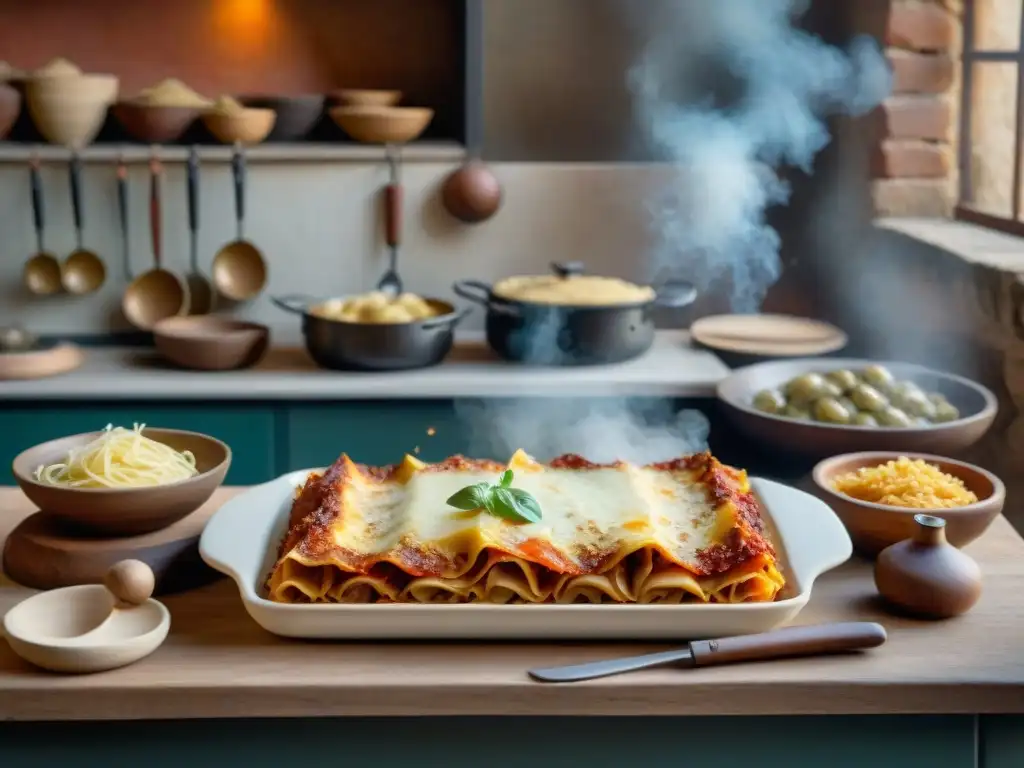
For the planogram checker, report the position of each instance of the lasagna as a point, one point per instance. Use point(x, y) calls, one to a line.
point(687, 530)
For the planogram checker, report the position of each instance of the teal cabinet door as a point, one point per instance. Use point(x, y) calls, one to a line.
point(249, 430)
point(375, 433)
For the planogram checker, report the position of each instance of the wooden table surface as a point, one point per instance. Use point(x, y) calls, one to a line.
point(218, 663)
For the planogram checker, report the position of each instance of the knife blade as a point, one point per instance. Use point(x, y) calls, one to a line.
point(811, 640)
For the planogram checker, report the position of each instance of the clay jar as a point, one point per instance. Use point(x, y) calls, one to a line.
point(927, 576)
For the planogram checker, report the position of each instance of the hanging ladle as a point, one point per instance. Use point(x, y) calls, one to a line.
point(122, 215)
point(83, 271)
point(92, 627)
point(157, 294)
point(200, 293)
point(41, 274)
point(239, 271)
point(391, 283)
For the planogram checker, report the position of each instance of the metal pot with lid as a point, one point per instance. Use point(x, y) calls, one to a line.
point(570, 317)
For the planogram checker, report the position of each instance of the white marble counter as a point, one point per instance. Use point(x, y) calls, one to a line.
point(671, 369)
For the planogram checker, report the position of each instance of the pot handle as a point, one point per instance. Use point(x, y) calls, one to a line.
point(474, 291)
point(675, 294)
point(295, 303)
point(448, 320)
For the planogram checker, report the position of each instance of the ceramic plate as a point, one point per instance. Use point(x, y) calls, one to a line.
point(242, 538)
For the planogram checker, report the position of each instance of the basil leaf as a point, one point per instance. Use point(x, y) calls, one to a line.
point(527, 504)
point(472, 497)
point(506, 479)
point(514, 504)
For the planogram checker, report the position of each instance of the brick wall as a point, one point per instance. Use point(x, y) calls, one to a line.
point(913, 165)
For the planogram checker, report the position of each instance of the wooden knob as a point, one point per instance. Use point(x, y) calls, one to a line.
point(131, 581)
point(472, 193)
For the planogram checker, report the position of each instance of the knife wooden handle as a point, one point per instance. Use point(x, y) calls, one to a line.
point(791, 641)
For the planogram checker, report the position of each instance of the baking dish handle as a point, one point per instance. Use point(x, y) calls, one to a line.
point(295, 303)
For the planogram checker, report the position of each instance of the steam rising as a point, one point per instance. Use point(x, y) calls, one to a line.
point(641, 431)
point(729, 92)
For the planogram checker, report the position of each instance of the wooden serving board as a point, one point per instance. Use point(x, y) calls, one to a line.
point(767, 336)
point(43, 552)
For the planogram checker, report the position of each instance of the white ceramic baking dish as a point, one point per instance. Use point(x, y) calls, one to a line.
point(242, 538)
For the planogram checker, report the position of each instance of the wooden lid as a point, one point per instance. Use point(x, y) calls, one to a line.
point(768, 335)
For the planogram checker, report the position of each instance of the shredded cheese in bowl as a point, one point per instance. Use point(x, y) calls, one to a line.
point(915, 484)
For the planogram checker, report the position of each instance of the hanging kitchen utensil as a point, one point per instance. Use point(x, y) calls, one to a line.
point(200, 292)
point(122, 214)
point(83, 271)
point(158, 293)
point(472, 193)
point(782, 643)
point(391, 283)
point(239, 270)
point(41, 274)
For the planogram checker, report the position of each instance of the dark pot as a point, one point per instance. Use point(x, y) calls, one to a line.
point(345, 346)
point(559, 334)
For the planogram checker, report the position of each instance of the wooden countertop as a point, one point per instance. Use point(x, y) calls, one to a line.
point(218, 663)
point(672, 368)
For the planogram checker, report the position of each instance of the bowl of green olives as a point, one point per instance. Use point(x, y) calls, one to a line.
point(822, 407)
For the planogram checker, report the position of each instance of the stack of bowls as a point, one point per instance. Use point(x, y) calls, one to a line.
point(373, 117)
point(68, 106)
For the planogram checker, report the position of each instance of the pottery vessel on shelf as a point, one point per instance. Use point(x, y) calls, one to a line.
point(248, 126)
point(382, 125)
point(296, 115)
point(70, 110)
point(926, 575)
point(10, 108)
point(154, 124)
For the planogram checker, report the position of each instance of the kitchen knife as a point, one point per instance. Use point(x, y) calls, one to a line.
point(792, 641)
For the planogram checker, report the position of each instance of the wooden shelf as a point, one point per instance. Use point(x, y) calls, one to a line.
point(424, 152)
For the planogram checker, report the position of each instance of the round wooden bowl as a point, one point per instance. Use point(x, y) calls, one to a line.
point(296, 115)
point(40, 363)
point(382, 125)
point(361, 97)
point(70, 111)
point(10, 108)
point(125, 511)
point(250, 126)
point(154, 125)
point(207, 343)
point(977, 406)
point(873, 527)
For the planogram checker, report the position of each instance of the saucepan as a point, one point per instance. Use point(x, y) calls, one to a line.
point(570, 318)
point(357, 346)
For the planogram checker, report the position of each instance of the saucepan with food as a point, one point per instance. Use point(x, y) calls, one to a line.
point(375, 331)
point(572, 318)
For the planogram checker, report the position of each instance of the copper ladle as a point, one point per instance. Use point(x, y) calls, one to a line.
point(157, 294)
point(83, 271)
point(239, 270)
point(201, 294)
point(41, 274)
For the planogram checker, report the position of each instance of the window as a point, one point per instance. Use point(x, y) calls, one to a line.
point(991, 158)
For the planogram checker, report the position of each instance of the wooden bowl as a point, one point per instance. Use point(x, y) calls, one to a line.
point(873, 527)
point(10, 108)
point(207, 343)
point(125, 511)
point(977, 406)
point(70, 111)
point(40, 362)
point(250, 126)
point(360, 97)
point(382, 125)
point(154, 125)
point(296, 115)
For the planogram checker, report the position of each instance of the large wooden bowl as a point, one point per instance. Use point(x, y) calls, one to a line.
point(70, 111)
point(382, 125)
point(249, 126)
point(209, 343)
point(873, 527)
point(977, 406)
point(125, 511)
